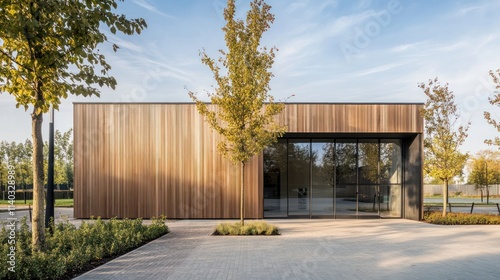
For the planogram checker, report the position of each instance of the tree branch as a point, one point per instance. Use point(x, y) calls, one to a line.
point(13, 60)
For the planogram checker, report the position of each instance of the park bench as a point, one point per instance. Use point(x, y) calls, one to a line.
point(429, 206)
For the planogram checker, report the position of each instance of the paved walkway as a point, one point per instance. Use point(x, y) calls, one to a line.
point(315, 249)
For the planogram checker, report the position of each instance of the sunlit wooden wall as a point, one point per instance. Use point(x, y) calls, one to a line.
point(353, 118)
point(150, 159)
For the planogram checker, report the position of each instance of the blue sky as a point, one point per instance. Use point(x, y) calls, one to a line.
point(329, 51)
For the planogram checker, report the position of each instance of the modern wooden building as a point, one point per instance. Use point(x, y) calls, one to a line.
point(335, 161)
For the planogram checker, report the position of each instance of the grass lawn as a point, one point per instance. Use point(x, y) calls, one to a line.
point(67, 202)
point(460, 196)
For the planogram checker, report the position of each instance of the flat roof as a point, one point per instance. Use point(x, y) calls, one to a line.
point(291, 103)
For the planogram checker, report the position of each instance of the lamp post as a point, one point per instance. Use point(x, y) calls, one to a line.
point(49, 210)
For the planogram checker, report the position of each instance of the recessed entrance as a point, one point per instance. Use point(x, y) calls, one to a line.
point(333, 178)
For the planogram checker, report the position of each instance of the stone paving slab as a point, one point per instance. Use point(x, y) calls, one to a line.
point(315, 249)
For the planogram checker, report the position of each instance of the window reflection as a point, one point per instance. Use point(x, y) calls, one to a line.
point(299, 159)
point(333, 177)
point(390, 161)
point(345, 154)
point(390, 177)
point(275, 180)
point(368, 161)
point(322, 177)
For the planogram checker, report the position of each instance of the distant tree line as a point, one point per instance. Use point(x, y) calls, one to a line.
point(19, 155)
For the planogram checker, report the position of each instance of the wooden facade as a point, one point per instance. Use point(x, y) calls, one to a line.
point(151, 159)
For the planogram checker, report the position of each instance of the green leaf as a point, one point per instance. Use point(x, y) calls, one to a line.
point(49, 50)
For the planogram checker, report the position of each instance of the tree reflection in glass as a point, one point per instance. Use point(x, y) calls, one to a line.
point(368, 161)
point(299, 159)
point(275, 179)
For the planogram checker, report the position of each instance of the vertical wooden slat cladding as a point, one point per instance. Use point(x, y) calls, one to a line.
point(146, 160)
point(353, 118)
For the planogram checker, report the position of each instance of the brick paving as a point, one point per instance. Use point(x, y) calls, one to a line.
point(315, 249)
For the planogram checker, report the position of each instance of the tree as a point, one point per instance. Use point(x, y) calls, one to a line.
point(328, 163)
point(484, 170)
point(3, 165)
point(369, 162)
point(245, 112)
point(495, 101)
point(49, 50)
point(25, 172)
point(62, 154)
point(70, 165)
point(443, 135)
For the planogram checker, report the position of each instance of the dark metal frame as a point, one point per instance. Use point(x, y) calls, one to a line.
point(378, 185)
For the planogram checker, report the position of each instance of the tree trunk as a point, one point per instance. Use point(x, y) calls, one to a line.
point(38, 227)
point(445, 196)
point(242, 195)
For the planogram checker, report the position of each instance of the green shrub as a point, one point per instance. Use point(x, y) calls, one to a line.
point(461, 219)
point(250, 228)
point(70, 250)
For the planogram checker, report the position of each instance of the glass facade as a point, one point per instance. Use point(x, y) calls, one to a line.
point(337, 178)
point(275, 180)
point(322, 178)
point(299, 176)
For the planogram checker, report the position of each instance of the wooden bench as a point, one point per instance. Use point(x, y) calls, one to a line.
point(429, 206)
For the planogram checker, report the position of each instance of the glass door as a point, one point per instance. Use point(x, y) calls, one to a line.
point(323, 179)
point(368, 178)
point(299, 178)
point(275, 180)
point(390, 178)
point(346, 189)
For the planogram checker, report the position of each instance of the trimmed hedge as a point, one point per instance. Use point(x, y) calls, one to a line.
point(70, 250)
point(461, 219)
point(250, 228)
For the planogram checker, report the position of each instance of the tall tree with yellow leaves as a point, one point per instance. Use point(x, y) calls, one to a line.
point(48, 49)
point(495, 101)
point(443, 135)
point(245, 110)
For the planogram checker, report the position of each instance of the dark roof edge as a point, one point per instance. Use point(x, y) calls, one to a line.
point(292, 103)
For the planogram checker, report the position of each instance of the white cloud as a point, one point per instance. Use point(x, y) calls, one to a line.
point(466, 10)
point(378, 69)
point(125, 44)
point(146, 5)
point(409, 47)
point(484, 42)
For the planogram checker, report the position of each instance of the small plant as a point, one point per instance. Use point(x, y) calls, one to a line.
point(461, 219)
point(250, 228)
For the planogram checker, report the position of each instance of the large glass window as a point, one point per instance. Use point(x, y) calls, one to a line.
point(346, 177)
point(333, 177)
point(390, 161)
point(345, 154)
point(275, 180)
point(323, 166)
point(390, 175)
point(368, 177)
point(368, 157)
point(299, 167)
